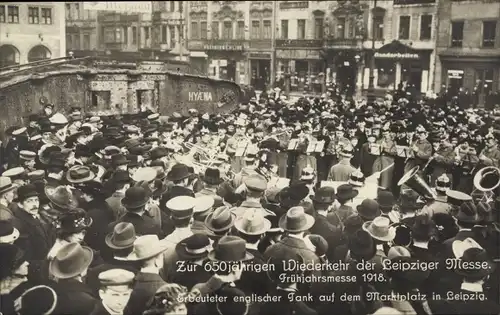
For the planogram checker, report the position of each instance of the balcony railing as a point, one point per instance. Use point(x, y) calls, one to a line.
point(299, 43)
point(338, 43)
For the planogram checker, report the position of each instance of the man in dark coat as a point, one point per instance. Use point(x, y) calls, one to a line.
point(116, 287)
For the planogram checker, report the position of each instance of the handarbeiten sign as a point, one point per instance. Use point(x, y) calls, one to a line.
point(396, 55)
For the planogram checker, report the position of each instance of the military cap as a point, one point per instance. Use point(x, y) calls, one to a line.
point(114, 277)
point(36, 138)
point(144, 174)
point(176, 115)
point(132, 129)
point(456, 197)
point(27, 155)
point(181, 207)
point(19, 131)
point(111, 149)
point(94, 119)
point(256, 182)
point(154, 116)
point(203, 203)
point(14, 172)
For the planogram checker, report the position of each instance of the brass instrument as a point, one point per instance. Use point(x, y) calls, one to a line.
point(486, 181)
point(417, 183)
point(432, 158)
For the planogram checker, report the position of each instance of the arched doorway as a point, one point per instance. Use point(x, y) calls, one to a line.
point(9, 56)
point(38, 53)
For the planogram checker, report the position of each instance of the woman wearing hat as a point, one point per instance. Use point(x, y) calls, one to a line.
point(168, 300)
point(13, 275)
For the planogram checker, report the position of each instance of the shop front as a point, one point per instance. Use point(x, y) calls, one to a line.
point(260, 65)
point(345, 69)
point(476, 75)
point(401, 66)
point(305, 68)
point(227, 60)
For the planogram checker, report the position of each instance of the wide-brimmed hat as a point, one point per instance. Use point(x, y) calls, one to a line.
point(6, 185)
point(145, 247)
point(221, 219)
point(459, 247)
point(346, 192)
point(212, 176)
point(123, 236)
point(296, 220)
point(361, 245)
point(194, 247)
point(252, 223)
point(231, 249)
point(8, 233)
point(79, 174)
point(380, 229)
point(481, 262)
point(178, 172)
point(71, 260)
point(135, 197)
point(61, 196)
point(369, 209)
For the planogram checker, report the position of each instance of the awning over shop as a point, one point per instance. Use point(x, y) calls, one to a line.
point(397, 50)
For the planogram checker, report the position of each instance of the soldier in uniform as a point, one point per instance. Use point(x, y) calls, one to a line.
point(443, 158)
point(234, 142)
point(490, 155)
point(440, 203)
point(422, 150)
point(386, 158)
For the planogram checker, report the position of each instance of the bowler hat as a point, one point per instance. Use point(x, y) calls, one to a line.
point(194, 247)
point(231, 249)
point(122, 236)
point(296, 220)
point(385, 200)
point(158, 153)
point(221, 219)
point(368, 209)
point(26, 191)
point(324, 195)
point(178, 172)
point(71, 260)
point(212, 176)
point(361, 245)
point(346, 192)
point(135, 197)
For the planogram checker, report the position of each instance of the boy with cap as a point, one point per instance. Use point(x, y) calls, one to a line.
point(116, 287)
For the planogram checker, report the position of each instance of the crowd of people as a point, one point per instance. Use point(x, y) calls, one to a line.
point(315, 206)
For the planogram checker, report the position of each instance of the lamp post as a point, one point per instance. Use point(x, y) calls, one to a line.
point(371, 87)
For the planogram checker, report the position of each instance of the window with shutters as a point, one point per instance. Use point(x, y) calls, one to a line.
point(489, 33)
point(404, 27)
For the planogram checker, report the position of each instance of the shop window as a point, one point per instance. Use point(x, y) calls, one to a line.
point(284, 29)
point(227, 30)
point(33, 15)
point(404, 27)
point(425, 27)
point(489, 33)
point(255, 30)
point(194, 30)
point(240, 30)
point(457, 33)
point(215, 30)
point(301, 29)
point(318, 28)
point(267, 29)
point(484, 81)
point(341, 28)
point(203, 30)
point(386, 74)
point(13, 13)
point(379, 28)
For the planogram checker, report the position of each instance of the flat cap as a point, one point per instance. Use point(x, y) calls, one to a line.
point(146, 174)
point(181, 206)
point(27, 155)
point(256, 182)
point(203, 203)
point(114, 277)
point(19, 131)
point(14, 172)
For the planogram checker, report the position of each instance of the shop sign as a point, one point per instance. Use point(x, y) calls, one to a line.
point(260, 56)
point(396, 55)
point(455, 74)
point(223, 47)
point(200, 96)
point(298, 54)
point(294, 4)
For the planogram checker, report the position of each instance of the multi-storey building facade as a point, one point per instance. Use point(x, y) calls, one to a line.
point(468, 47)
point(81, 28)
point(168, 29)
point(31, 32)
